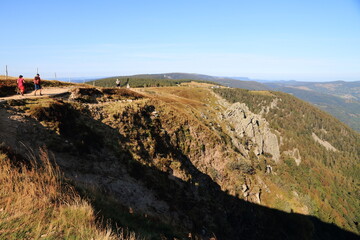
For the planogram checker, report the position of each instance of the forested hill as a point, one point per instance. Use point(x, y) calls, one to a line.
point(170, 79)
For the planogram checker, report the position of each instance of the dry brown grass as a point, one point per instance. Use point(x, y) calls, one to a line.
point(178, 96)
point(197, 84)
point(3, 77)
point(36, 204)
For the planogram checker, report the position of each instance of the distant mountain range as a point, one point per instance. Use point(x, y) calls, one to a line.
point(230, 82)
point(340, 99)
point(345, 90)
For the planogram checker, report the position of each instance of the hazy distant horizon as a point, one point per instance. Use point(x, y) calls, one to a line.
point(241, 78)
point(66, 76)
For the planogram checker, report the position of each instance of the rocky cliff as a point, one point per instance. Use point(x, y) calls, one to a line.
point(254, 127)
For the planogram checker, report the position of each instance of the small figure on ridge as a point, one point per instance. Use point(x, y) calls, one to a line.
point(37, 83)
point(21, 85)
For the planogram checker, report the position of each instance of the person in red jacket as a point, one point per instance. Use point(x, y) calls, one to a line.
point(37, 83)
point(21, 84)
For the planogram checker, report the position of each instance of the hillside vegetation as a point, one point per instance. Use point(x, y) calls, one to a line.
point(329, 178)
point(187, 162)
point(36, 203)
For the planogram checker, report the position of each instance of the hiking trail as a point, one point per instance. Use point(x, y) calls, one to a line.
point(46, 92)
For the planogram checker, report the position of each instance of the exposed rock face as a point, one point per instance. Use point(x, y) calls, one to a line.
point(295, 154)
point(273, 104)
point(324, 143)
point(256, 128)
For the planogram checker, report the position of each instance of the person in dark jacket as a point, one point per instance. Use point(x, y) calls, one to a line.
point(37, 84)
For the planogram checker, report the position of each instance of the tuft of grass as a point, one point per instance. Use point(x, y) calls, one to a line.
point(35, 203)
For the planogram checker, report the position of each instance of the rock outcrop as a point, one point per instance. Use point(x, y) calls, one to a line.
point(246, 124)
point(324, 143)
point(295, 154)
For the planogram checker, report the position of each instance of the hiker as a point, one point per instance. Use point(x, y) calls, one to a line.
point(37, 83)
point(117, 83)
point(21, 85)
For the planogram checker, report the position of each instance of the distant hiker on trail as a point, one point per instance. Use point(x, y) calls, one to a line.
point(37, 83)
point(117, 83)
point(21, 85)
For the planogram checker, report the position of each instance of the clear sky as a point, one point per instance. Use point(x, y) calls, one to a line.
point(261, 39)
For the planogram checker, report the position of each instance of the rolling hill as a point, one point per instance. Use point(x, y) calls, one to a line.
point(170, 79)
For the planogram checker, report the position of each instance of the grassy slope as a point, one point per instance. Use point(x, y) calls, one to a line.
point(35, 203)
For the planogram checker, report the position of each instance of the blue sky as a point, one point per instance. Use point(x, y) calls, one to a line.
point(306, 40)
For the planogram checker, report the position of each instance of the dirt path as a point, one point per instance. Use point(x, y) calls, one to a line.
point(10, 122)
point(46, 92)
